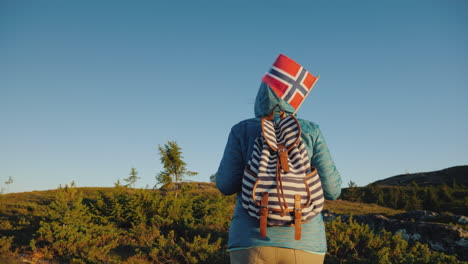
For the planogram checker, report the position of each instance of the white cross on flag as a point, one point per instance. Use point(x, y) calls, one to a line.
point(289, 80)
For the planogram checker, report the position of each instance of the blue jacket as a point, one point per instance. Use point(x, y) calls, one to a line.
point(244, 230)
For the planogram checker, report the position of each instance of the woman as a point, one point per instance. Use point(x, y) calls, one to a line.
point(279, 246)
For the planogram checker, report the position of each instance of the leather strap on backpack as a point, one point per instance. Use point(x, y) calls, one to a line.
point(263, 214)
point(297, 216)
point(283, 157)
point(272, 113)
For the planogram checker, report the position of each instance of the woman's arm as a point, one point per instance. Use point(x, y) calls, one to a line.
point(329, 175)
point(231, 168)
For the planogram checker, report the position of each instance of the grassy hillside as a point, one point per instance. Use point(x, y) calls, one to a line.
point(355, 208)
point(184, 224)
point(34, 203)
point(438, 198)
point(449, 176)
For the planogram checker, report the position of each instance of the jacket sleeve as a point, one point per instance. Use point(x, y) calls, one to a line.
point(229, 175)
point(329, 175)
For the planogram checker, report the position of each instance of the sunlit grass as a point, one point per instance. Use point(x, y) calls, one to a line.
point(347, 207)
point(34, 203)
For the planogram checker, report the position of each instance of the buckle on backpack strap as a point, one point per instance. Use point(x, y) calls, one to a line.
point(283, 156)
point(297, 216)
point(263, 214)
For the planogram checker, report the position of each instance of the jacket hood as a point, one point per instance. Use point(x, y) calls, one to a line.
point(266, 101)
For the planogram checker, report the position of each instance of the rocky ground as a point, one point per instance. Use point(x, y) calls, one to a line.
point(442, 232)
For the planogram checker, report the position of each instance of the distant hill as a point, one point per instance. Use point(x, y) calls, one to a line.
point(439, 191)
point(458, 175)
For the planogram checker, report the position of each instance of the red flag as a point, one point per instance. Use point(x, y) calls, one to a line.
point(289, 80)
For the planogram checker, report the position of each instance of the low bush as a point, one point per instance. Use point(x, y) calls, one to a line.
point(356, 243)
point(124, 225)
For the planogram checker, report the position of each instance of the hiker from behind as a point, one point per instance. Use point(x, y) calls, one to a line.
point(281, 169)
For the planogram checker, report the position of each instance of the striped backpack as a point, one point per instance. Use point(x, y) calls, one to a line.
point(279, 185)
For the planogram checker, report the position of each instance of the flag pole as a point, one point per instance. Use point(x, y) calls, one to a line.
point(318, 77)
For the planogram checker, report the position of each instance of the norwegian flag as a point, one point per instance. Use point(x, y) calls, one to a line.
point(289, 80)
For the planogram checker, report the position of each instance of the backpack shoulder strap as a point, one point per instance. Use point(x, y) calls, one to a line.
point(281, 136)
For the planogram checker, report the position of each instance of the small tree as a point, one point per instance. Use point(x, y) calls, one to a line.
point(414, 203)
point(381, 198)
point(393, 197)
point(445, 193)
point(431, 201)
point(175, 169)
point(132, 178)
point(71, 233)
point(7, 183)
point(213, 177)
point(353, 193)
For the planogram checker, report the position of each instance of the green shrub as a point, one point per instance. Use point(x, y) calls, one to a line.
point(202, 250)
point(5, 246)
point(124, 225)
point(69, 232)
point(358, 244)
point(413, 197)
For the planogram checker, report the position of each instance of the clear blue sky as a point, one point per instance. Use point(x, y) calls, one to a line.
point(89, 89)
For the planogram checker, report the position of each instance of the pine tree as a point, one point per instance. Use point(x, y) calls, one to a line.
point(213, 177)
point(393, 197)
point(353, 192)
point(414, 203)
point(175, 169)
point(431, 201)
point(380, 197)
point(132, 178)
point(371, 194)
point(8, 183)
point(445, 193)
point(69, 231)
